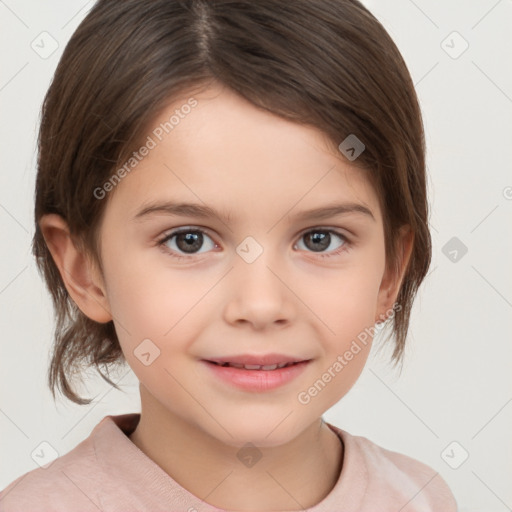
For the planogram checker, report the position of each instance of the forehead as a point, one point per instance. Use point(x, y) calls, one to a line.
point(227, 153)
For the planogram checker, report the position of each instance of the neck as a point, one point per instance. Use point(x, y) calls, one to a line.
point(292, 476)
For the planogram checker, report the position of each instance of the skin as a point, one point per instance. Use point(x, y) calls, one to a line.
point(262, 170)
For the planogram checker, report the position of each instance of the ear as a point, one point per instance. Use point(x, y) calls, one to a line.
point(393, 277)
point(82, 279)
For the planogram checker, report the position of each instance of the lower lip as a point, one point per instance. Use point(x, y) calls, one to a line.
point(257, 380)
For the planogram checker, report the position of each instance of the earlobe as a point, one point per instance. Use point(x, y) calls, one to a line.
point(81, 278)
point(393, 277)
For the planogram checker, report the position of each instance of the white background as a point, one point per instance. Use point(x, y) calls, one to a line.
point(456, 382)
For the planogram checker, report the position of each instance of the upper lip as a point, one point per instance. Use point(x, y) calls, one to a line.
point(262, 360)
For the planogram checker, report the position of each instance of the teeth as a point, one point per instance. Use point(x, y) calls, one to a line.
point(267, 367)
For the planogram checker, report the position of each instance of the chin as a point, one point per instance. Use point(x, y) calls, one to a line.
point(264, 431)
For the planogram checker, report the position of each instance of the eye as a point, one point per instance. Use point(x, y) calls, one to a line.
point(320, 239)
point(185, 242)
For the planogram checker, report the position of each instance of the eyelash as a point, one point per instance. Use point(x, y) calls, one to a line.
point(161, 243)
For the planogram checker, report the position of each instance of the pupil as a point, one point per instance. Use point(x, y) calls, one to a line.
point(321, 240)
point(193, 241)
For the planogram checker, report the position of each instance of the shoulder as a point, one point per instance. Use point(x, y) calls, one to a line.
point(398, 478)
point(57, 486)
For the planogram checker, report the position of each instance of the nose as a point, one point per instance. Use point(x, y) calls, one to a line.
point(259, 295)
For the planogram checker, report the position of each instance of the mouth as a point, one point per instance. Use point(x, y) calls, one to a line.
point(267, 367)
point(255, 378)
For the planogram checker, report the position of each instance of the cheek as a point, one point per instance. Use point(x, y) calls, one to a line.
point(168, 307)
point(149, 297)
point(344, 299)
point(346, 342)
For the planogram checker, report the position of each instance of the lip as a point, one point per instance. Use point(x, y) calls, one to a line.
point(256, 380)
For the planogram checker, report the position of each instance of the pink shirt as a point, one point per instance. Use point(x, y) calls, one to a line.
point(108, 472)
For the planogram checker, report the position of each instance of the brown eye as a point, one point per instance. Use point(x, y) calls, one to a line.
point(319, 240)
point(187, 242)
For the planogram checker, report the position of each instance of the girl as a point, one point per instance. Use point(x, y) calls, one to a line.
point(231, 200)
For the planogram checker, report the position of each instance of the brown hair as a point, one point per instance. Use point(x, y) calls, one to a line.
point(325, 63)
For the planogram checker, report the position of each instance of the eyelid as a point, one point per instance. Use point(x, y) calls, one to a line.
point(331, 229)
point(185, 229)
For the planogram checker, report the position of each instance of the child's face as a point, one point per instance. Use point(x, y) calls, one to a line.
point(225, 298)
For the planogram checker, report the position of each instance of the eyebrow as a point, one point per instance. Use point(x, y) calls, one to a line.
point(204, 211)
